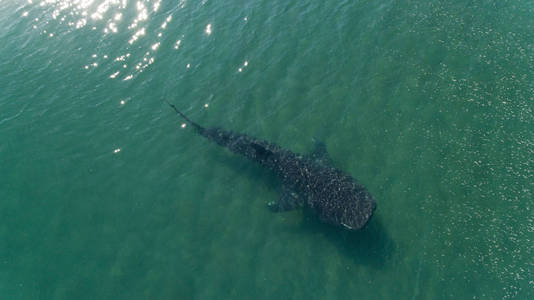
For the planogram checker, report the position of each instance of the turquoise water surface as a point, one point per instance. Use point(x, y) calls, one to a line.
point(429, 104)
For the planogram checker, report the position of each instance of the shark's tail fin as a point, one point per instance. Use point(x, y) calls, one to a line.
point(198, 127)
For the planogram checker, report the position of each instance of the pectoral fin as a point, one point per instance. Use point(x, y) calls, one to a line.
point(320, 154)
point(289, 200)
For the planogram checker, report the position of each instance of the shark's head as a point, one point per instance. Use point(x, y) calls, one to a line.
point(359, 211)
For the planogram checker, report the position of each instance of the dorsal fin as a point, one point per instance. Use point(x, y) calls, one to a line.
point(261, 151)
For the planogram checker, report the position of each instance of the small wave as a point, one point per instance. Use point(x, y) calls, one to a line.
point(15, 116)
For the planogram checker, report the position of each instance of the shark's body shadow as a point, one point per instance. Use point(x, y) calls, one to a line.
point(312, 182)
point(370, 245)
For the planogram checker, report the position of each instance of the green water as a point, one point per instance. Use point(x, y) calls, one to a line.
point(429, 104)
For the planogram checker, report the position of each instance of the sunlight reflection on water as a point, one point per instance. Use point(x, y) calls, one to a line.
point(111, 17)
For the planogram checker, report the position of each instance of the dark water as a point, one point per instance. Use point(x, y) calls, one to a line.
point(430, 104)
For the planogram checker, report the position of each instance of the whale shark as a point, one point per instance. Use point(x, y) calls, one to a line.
point(308, 181)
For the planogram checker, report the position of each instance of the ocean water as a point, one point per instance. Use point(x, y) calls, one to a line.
point(429, 104)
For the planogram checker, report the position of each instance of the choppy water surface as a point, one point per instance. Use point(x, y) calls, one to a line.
point(429, 104)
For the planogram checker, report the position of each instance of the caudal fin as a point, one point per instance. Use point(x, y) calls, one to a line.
point(184, 116)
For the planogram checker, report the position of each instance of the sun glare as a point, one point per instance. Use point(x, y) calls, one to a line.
point(110, 18)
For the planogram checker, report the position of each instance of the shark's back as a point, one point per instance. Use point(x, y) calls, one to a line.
point(335, 196)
